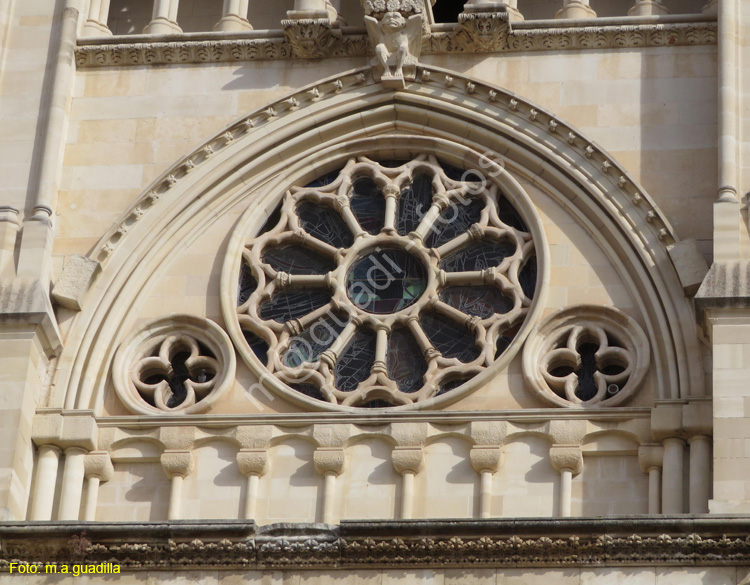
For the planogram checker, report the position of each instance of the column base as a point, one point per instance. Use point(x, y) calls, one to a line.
point(95, 29)
point(513, 14)
point(576, 10)
point(162, 26)
point(233, 22)
point(648, 8)
point(711, 8)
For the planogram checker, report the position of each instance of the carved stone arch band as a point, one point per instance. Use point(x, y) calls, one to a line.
point(179, 364)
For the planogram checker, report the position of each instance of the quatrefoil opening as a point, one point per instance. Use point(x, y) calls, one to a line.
point(586, 356)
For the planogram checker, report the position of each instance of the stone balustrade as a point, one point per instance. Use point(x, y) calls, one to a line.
point(236, 15)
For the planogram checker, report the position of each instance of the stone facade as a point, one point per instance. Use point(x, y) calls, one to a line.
point(176, 171)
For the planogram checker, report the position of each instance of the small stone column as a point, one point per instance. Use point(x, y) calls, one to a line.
point(568, 460)
point(97, 468)
point(329, 462)
point(485, 460)
point(177, 465)
point(164, 19)
point(651, 458)
point(9, 228)
point(671, 488)
point(648, 8)
point(312, 9)
point(711, 8)
point(234, 16)
point(575, 9)
point(96, 23)
point(72, 484)
point(407, 461)
point(700, 473)
point(46, 479)
point(509, 6)
point(253, 464)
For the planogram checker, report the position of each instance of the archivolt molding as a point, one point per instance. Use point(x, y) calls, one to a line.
point(475, 33)
point(441, 112)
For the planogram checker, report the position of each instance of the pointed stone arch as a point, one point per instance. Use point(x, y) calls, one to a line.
point(254, 154)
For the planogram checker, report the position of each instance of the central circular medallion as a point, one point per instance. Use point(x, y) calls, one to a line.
point(386, 281)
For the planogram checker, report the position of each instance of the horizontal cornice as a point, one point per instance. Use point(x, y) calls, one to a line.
point(538, 542)
point(353, 42)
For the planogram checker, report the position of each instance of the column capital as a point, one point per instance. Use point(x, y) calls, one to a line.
point(650, 457)
point(566, 457)
point(177, 463)
point(486, 458)
point(329, 460)
point(408, 459)
point(98, 464)
point(252, 462)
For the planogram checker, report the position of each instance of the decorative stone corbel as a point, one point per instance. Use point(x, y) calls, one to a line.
point(568, 460)
point(407, 461)
point(177, 465)
point(651, 458)
point(395, 30)
point(253, 464)
point(481, 31)
point(329, 462)
point(97, 467)
point(485, 459)
point(77, 276)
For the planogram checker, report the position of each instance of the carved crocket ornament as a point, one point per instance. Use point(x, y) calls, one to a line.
point(395, 29)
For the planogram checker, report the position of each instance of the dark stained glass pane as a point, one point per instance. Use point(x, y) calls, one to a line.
point(449, 338)
point(297, 260)
point(454, 221)
point(586, 384)
point(356, 361)
point(509, 216)
point(386, 281)
point(392, 164)
point(308, 390)
point(477, 256)
point(247, 284)
point(406, 364)
point(413, 203)
point(368, 205)
point(480, 301)
point(293, 304)
point(527, 277)
point(459, 174)
point(325, 224)
point(326, 179)
point(449, 385)
point(258, 345)
point(272, 220)
point(376, 404)
point(308, 345)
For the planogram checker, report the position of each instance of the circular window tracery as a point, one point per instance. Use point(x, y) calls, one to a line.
point(386, 283)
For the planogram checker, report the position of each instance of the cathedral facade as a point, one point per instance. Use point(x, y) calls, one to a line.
point(378, 291)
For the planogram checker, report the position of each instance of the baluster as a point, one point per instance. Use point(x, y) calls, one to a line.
point(234, 16)
point(575, 9)
point(164, 19)
point(509, 6)
point(96, 23)
point(648, 8)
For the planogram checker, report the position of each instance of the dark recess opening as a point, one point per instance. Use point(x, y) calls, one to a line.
point(447, 10)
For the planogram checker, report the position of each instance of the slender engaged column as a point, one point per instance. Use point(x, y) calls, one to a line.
point(72, 484)
point(329, 462)
point(568, 460)
point(648, 8)
point(485, 459)
point(96, 23)
point(97, 468)
point(407, 461)
point(9, 228)
point(574, 9)
point(700, 473)
point(672, 478)
point(46, 479)
point(253, 464)
point(234, 16)
point(177, 465)
point(164, 19)
point(651, 458)
point(509, 6)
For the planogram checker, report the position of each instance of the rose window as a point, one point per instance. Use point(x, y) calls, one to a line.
point(386, 283)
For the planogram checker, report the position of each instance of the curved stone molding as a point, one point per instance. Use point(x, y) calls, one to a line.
point(354, 307)
point(476, 33)
point(179, 365)
point(586, 356)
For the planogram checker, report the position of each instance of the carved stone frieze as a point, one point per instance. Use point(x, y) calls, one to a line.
point(476, 33)
point(311, 38)
point(579, 542)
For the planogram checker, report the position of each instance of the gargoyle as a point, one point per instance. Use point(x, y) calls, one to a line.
point(398, 43)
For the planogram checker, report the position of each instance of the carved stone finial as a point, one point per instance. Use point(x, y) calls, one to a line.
point(395, 29)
